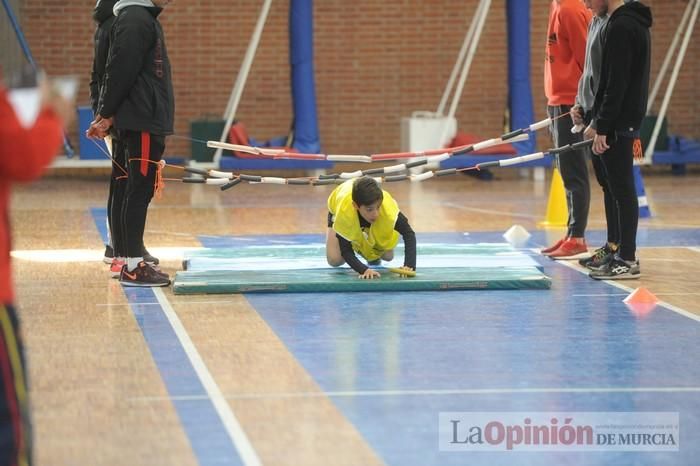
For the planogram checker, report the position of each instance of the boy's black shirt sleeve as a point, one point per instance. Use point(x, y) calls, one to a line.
point(409, 241)
point(349, 255)
point(402, 226)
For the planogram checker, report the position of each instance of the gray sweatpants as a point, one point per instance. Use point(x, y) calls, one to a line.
point(574, 171)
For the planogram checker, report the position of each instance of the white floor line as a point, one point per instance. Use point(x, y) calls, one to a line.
point(228, 418)
point(668, 306)
point(466, 391)
point(489, 211)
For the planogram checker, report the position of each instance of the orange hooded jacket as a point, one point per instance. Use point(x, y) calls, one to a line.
point(565, 51)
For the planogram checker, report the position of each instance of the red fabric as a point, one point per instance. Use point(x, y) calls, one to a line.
point(145, 152)
point(465, 139)
point(24, 154)
point(565, 51)
point(239, 135)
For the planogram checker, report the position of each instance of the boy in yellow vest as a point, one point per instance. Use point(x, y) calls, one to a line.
point(364, 218)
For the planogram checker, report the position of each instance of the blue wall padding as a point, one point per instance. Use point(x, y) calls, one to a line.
point(520, 93)
point(301, 58)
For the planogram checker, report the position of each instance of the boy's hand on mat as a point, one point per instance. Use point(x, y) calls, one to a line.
point(369, 274)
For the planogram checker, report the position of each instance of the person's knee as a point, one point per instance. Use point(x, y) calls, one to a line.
point(388, 255)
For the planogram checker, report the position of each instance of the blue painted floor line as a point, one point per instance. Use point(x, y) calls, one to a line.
point(646, 237)
point(99, 215)
point(207, 435)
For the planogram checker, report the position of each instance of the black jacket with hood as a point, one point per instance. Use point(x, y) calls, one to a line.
point(137, 90)
point(621, 99)
point(104, 17)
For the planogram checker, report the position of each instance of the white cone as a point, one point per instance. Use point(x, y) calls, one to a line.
point(516, 235)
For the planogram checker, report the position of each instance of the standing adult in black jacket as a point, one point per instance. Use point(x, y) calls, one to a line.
point(620, 105)
point(136, 99)
point(104, 17)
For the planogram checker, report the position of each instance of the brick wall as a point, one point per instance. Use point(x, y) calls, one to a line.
point(376, 61)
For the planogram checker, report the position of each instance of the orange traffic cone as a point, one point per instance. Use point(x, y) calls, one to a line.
point(641, 301)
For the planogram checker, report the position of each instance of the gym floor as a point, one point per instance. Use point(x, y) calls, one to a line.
point(144, 377)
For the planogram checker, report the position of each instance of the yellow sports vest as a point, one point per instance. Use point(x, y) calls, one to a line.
point(370, 242)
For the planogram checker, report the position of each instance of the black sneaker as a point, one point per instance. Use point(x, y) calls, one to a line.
point(143, 275)
point(617, 269)
point(109, 254)
point(599, 259)
point(148, 258)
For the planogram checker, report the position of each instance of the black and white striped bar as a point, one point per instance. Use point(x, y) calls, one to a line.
point(535, 156)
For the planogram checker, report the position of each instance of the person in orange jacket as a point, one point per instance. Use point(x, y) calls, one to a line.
point(565, 54)
point(24, 154)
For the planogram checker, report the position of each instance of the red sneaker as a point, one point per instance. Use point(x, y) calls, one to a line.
point(570, 249)
point(553, 247)
point(116, 268)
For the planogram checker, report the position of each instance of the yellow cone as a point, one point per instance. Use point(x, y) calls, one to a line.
point(557, 211)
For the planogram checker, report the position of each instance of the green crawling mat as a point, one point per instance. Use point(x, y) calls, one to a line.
point(303, 269)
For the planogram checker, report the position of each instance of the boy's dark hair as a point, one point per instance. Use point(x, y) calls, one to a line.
point(366, 191)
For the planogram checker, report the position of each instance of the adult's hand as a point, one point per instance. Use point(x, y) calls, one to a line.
point(576, 115)
point(600, 144)
point(99, 128)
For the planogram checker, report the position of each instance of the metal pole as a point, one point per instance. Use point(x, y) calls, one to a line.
point(669, 54)
point(242, 77)
point(460, 59)
point(28, 53)
point(465, 69)
point(672, 83)
point(18, 32)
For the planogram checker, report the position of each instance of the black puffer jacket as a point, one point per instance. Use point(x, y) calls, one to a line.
point(137, 88)
point(621, 99)
point(104, 17)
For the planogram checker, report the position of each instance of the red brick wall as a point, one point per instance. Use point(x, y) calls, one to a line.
point(376, 61)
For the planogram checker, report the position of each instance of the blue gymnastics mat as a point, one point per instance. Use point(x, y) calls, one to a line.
point(302, 268)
